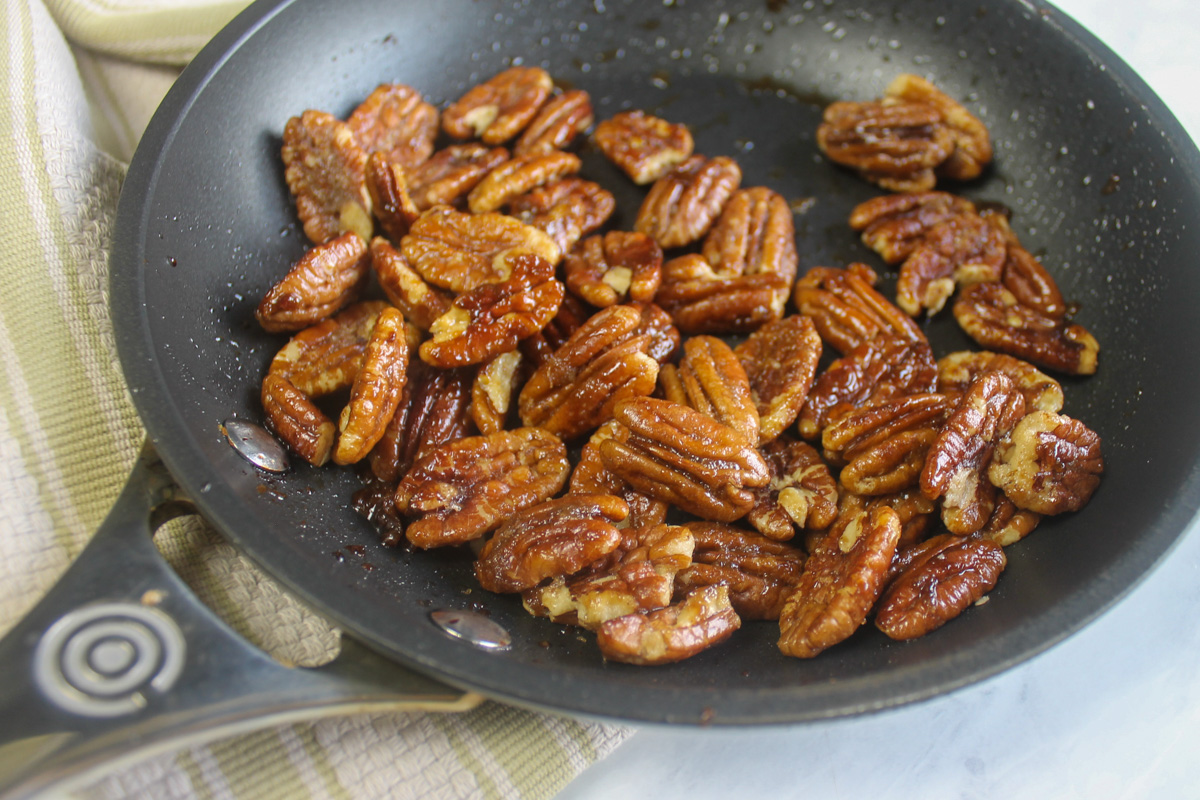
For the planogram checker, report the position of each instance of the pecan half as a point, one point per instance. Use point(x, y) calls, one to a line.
point(713, 382)
point(570, 317)
point(297, 421)
point(498, 109)
point(608, 269)
point(894, 224)
point(1023, 274)
point(519, 175)
point(780, 360)
point(802, 492)
point(325, 279)
point(959, 251)
point(566, 209)
point(1009, 524)
point(1049, 464)
point(390, 200)
point(450, 174)
point(395, 122)
point(492, 318)
point(701, 620)
point(557, 124)
point(494, 390)
point(405, 288)
point(377, 389)
point(992, 316)
point(956, 371)
point(554, 538)
point(972, 143)
point(842, 579)
point(700, 301)
point(590, 476)
point(432, 411)
point(760, 573)
point(645, 147)
point(325, 171)
point(847, 309)
point(896, 146)
point(462, 489)
point(683, 204)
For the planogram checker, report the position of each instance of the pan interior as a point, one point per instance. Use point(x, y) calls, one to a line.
point(1101, 180)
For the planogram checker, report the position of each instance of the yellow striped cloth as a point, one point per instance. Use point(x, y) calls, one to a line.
point(80, 80)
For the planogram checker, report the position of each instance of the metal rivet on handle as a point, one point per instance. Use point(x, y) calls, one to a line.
point(253, 443)
point(473, 627)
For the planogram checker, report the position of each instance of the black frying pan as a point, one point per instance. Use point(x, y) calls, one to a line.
point(1102, 182)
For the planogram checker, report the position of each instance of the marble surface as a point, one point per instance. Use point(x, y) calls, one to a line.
point(1112, 712)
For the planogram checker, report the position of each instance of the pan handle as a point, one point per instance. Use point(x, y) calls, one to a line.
point(121, 661)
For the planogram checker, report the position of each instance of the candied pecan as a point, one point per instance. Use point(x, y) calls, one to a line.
point(496, 385)
point(610, 268)
point(603, 362)
point(759, 572)
point(896, 146)
point(956, 465)
point(992, 316)
point(498, 109)
point(678, 455)
point(590, 476)
point(405, 288)
point(780, 360)
point(554, 538)
point(566, 209)
point(462, 489)
point(713, 382)
point(557, 124)
point(570, 317)
point(1009, 524)
point(957, 370)
point(702, 302)
point(450, 174)
point(323, 281)
point(972, 144)
point(847, 310)
point(519, 175)
point(432, 411)
point(842, 579)
point(755, 234)
point(802, 492)
point(961, 250)
point(390, 201)
point(916, 512)
point(701, 620)
point(874, 371)
point(460, 251)
point(894, 224)
point(1049, 464)
point(665, 339)
point(943, 580)
point(325, 171)
point(1023, 274)
point(683, 204)
point(645, 147)
point(377, 388)
point(492, 318)
point(296, 420)
point(395, 122)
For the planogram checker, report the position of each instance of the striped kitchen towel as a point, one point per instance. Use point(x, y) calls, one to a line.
point(81, 80)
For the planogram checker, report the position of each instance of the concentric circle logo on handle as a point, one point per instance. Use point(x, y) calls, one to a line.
point(102, 660)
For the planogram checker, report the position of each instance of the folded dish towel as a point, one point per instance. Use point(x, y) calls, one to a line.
point(81, 81)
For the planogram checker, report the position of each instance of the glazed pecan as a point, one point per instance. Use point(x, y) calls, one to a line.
point(993, 317)
point(325, 170)
point(590, 476)
point(1009, 524)
point(894, 224)
point(896, 146)
point(462, 489)
point(802, 492)
point(566, 210)
point(498, 109)
point(847, 309)
point(916, 511)
point(460, 251)
point(432, 411)
point(519, 175)
point(956, 466)
point(665, 339)
point(755, 234)
point(712, 381)
point(494, 390)
point(645, 147)
point(570, 317)
point(1049, 464)
point(678, 455)
point(759, 572)
point(557, 124)
point(492, 318)
point(376, 390)
point(405, 288)
point(780, 360)
point(390, 200)
point(554, 538)
point(957, 370)
point(946, 576)
point(297, 421)
point(874, 371)
point(604, 361)
point(683, 204)
point(395, 122)
point(959, 251)
point(842, 579)
point(450, 174)
point(613, 267)
point(327, 278)
point(700, 301)
point(701, 620)
point(972, 143)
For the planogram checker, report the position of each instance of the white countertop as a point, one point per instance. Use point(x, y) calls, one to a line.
point(1112, 712)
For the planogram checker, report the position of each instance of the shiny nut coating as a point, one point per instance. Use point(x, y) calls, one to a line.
point(759, 572)
point(896, 146)
point(644, 146)
point(700, 301)
point(972, 143)
point(500, 108)
point(802, 492)
point(1049, 464)
point(683, 204)
point(519, 175)
point(713, 382)
point(377, 389)
point(959, 251)
point(432, 411)
point(847, 309)
point(450, 174)
point(557, 124)
point(609, 268)
point(956, 371)
point(395, 122)
point(390, 201)
point(701, 620)
point(566, 209)
point(325, 171)
point(325, 279)
point(405, 288)
point(893, 225)
point(780, 359)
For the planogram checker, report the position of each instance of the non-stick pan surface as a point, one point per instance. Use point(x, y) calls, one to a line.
point(1102, 182)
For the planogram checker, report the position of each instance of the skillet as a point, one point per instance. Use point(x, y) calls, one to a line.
point(1101, 180)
